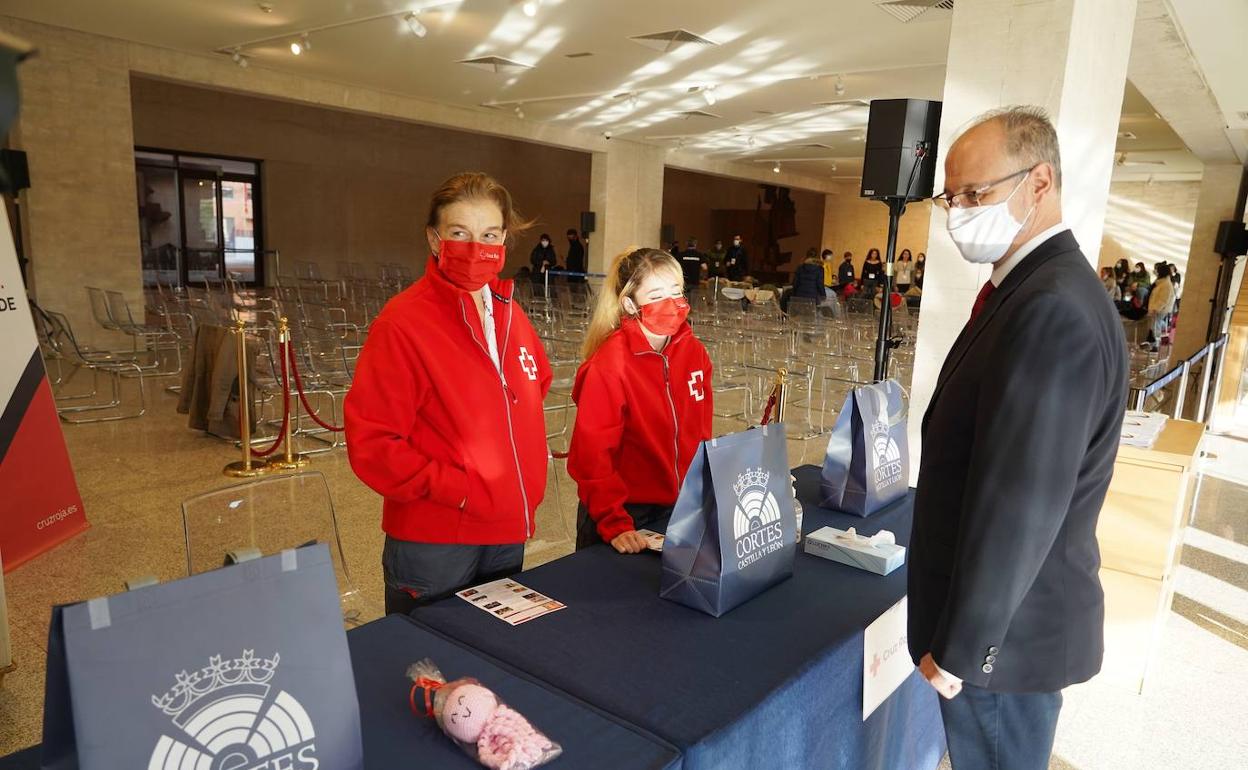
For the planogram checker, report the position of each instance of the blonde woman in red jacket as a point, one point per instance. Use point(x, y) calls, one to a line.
point(444, 418)
point(643, 400)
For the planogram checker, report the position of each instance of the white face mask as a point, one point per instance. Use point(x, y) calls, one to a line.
point(984, 233)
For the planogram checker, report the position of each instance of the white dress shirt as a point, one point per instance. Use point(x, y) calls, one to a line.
point(487, 325)
point(1003, 268)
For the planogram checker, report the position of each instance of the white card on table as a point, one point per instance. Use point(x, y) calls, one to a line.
point(885, 657)
point(509, 601)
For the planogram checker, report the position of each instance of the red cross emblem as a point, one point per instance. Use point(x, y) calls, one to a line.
point(528, 364)
point(695, 385)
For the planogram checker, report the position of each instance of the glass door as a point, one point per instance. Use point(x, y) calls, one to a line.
point(201, 217)
point(238, 228)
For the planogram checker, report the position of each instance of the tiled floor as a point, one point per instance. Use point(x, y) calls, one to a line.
point(134, 474)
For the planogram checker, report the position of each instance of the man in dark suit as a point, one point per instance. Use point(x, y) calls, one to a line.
point(737, 260)
point(1019, 442)
point(691, 262)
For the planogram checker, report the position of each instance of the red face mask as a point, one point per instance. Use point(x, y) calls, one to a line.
point(469, 264)
point(665, 316)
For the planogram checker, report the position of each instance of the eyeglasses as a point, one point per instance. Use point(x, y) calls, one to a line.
point(972, 198)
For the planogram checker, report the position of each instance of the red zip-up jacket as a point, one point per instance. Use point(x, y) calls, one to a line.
point(639, 418)
point(430, 421)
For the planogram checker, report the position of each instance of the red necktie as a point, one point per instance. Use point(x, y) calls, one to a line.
point(980, 300)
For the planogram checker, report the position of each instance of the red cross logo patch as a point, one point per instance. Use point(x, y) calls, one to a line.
point(528, 364)
point(695, 385)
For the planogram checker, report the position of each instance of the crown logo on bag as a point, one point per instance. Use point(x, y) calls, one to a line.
point(879, 427)
point(753, 477)
point(246, 674)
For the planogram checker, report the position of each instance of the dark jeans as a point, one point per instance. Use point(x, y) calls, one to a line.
point(419, 573)
point(1000, 730)
point(644, 514)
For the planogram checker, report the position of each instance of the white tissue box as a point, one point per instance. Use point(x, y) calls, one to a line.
point(881, 559)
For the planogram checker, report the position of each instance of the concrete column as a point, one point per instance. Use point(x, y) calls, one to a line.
point(1218, 188)
point(1069, 56)
point(81, 222)
point(626, 194)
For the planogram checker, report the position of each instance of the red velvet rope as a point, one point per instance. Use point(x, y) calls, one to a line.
point(285, 407)
point(771, 402)
point(294, 367)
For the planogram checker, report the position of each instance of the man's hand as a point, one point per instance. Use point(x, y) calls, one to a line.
point(948, 688)
point(629, 542)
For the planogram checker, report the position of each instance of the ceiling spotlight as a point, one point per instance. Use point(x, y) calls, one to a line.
point(296, 47)
point(265, 7)
point(840, 85)
point(708, 93)
point(239, 59)
point(750, 141)
point(776, 168)
point(833, 168)
point(530, 7)
point(415, 26)
point(519, 111)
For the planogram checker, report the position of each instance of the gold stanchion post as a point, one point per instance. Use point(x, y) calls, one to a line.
point(246, 467)
point(782, 392)
point(292, 460)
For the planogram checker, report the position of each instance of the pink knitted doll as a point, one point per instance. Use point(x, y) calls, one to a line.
point(496, 735)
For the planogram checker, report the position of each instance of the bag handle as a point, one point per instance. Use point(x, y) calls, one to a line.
point(881, 400)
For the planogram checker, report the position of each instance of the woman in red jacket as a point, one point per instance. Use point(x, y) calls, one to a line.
point(444, 417)
point(643, 399)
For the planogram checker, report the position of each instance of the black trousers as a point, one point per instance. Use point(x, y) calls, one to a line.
point(1000, 730)
point(419, 573)
point(644, 514)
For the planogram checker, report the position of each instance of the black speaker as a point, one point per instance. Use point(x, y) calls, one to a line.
point(14, 173)
point(1232, 239)
point(667, 234)
point(589, 222)
point(900, 134)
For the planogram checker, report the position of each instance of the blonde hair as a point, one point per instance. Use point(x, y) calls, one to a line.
point(626, 273)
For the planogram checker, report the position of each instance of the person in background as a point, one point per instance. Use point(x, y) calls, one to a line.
point(1143, 279)
point(543, 257)
point(1111, 284)
point(1132, 307)
point(828, 258)
point(1161, 304)
point(444, 417)
point(691, 262)
point(920, 261)
point(919, 271)
point(674, 249)
point(643, 399)
point(576, 256)
point(1006, 606)
point(905, 271)
point(1122, 273)
point(1177, 280)
point(807, 281)
point(845, 273)
point(715, 260)
point(737, 260)
point(872, 272)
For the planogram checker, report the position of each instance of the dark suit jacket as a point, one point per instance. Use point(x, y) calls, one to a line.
point(1018, 447)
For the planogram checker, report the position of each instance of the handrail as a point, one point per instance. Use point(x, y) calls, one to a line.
point(1181, 371)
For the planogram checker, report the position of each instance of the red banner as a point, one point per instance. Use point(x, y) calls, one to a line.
point(40, 505)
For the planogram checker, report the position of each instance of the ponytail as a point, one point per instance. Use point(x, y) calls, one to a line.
point(626, 272)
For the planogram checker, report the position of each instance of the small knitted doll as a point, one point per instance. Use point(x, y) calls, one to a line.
point(489, 730)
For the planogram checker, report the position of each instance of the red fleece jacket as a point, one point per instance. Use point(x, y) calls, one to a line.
point(431, 422)
point(640, 417)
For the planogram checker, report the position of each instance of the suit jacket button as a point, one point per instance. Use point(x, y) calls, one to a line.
point(987, 668)
point(993, 651)
point(990, 659)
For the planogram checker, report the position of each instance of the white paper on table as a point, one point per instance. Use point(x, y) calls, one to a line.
point(509, 601)
point(885, 657)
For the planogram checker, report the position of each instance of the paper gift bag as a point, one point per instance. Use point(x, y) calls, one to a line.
point(243, 667)
point(867, 463)
point(733, 532)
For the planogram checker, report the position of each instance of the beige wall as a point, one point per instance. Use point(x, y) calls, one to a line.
point(1149, 223)
point(690, 197)
point(344, 187)
point(80, 223)
point(852, 223)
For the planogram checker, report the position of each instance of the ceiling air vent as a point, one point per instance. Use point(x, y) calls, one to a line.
point(697, 114)
point(1127, 135)
point(580, 55)
point(815, 146)
point(671, 40)
point(1243, 115)
point(496, 64)
point(909, 10)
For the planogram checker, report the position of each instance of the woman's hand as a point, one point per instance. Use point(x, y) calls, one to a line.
point(629, 542)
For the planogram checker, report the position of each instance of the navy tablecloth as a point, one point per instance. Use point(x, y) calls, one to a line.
point(776, 682)
point(395, 738)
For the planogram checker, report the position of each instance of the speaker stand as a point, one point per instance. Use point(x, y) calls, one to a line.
point(884, 341)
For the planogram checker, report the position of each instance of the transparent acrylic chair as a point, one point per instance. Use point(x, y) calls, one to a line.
point(269, 515)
